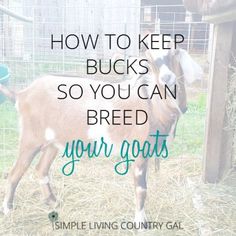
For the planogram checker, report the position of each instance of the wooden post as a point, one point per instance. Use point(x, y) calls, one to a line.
point(218, 141)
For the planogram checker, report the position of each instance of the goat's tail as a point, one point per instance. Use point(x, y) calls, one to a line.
point(8, 93)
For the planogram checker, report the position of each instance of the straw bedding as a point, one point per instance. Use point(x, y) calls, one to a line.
point(96, 193)
point(231, 110)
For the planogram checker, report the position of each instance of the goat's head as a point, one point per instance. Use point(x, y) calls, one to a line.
point(174, 66)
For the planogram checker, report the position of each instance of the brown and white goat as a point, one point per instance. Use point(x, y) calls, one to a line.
point(47, 122)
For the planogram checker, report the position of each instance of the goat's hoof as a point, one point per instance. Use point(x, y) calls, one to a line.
point(141, 220)
point(5, 210)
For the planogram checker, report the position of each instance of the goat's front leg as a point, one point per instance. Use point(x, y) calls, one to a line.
point(26, 155)
point(140, 183)
point(42, 170)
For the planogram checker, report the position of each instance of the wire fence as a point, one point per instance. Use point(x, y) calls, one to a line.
point(173, 19)
point(25, 49)
point(29, 44)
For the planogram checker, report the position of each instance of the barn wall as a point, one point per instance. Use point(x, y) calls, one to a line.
point(209, 7)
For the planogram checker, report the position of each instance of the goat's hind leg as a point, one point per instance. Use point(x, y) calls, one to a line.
point(27, 152)
point(42, 169)
point(140, 183)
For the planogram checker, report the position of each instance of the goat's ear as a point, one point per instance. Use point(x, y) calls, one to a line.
point(191, 70)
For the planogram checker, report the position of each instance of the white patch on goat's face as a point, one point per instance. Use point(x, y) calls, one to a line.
point(166, 76)
point(49, 134)
point(161, 58)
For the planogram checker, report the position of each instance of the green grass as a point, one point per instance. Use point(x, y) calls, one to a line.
point(188, 140)
point(190, 129)
point(8, 115)
point(8, 135)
